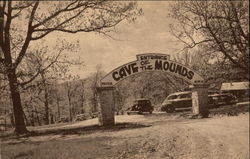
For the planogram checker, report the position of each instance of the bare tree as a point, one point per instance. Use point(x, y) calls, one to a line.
point(38, 19)
point(71, 86)
point(97, 77)
point(82, 95)
point(221, 27)
point(58, 103)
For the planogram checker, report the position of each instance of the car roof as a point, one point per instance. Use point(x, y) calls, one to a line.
point(179, 93)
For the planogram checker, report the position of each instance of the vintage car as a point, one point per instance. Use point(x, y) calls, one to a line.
point(80, 117)
point(184, 100)
point(141, 105)
point(63, 120)
point(216, 100)
point(177, 100)
point(94, 115)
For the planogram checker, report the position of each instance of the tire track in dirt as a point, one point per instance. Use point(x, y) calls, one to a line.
point(169, 141)
point(228, 137)
point(191, 139)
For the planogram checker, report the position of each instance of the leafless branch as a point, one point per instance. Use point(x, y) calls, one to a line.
point(28, 36)
point(2, 8)
point(68, 8)
point(42, 70)
point(21, 7)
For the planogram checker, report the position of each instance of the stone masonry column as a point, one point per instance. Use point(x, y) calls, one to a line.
point(200, 100)
point(106, 106)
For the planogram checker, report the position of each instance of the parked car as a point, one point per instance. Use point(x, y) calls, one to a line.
point(184, 100)
point(80, 117)
point(177, 100)
point(63, 120)
point(213, 101)
point(140, 106)
point(221, 99)
point(94, 115)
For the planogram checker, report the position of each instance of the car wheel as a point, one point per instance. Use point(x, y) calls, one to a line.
point(216, 104)
point(170, 109)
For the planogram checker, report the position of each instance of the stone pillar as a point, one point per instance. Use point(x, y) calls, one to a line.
point(200, 100)
point(106, 106)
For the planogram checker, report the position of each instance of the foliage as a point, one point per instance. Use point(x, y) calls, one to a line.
point(219, 28)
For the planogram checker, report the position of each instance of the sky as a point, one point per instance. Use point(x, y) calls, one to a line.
point(148, 34)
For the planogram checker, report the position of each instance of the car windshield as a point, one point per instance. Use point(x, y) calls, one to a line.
point(185, 95)
point(172, 97)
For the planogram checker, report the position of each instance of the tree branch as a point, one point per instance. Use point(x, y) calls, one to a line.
point(49, 30)
point(42, 70)
point(21, 7)
point(95, 28)
point(28, 36)
point(67, 9)
point(2, 8)
point(17, 14)
point(6, 48)
point(238, 22)
point(222, 49)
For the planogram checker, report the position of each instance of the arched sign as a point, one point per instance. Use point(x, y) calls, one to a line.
point(151, 62)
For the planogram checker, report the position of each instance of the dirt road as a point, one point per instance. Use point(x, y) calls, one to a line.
point(154, 136)
point(220, 138)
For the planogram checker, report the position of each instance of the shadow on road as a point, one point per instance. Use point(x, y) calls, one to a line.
point(76, 131)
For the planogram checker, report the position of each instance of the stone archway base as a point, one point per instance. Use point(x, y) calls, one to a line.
point(106, 106)
point(200, 100)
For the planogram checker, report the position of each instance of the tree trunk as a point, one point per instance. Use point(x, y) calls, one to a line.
point(16, 100)
point(69, 100)
point(30, 115)
point(5, 116)
point(46, 105)
point(51, 118)
point(37, 117)
point(26, 120)
point(82, 97)
point(58, 106)
point(70, 108)
point(95, 101)
point(32, 118)
point(12, 119)
point(46, 102)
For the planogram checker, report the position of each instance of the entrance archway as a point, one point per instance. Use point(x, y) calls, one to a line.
point(144, 63)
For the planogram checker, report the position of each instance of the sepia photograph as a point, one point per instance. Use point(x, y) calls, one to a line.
point(124, 79)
